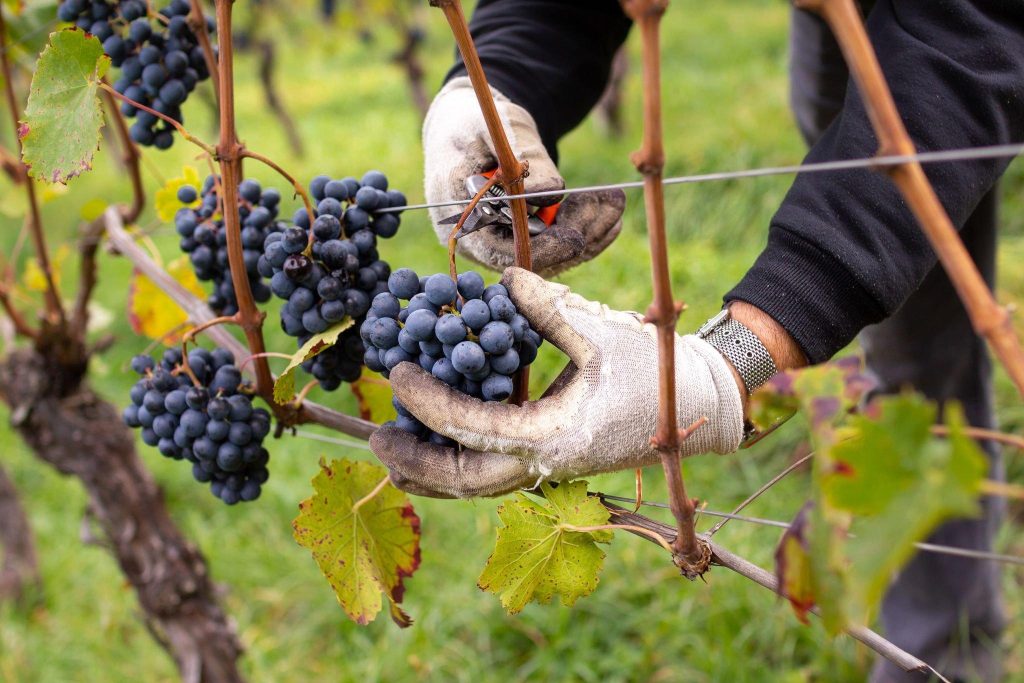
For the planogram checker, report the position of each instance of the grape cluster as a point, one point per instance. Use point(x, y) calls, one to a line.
point(204, 238)
point(339, 274)
point(213, 425)
point(474, 343)
point(160, 59)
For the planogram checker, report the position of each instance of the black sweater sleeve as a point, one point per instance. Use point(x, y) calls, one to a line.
point(551, 57)
point(844, 250)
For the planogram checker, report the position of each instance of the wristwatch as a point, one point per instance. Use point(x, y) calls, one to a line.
point(744, 350)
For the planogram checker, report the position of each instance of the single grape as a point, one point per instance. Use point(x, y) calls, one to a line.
point(496, 337)
point(502, 308)
point(468, 357)
point(471, 285)
point(476, 314)
point(440, 289)
point(497, 388)
point(404, 283)
point(450, 329)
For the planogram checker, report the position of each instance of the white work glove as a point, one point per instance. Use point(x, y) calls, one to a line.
point(456, 145)
point(598, 416)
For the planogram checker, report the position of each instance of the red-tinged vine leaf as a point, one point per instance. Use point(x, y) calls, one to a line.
point(61, 130)
point(825, 392)
point(373, 395)
point(899, 482)
point(538, 555)
point(364, 551)
point(155, 315)
point(793, 565)
point(284, 387)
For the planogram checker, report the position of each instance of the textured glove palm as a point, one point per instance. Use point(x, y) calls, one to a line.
point(597, 417)
point(456, 145)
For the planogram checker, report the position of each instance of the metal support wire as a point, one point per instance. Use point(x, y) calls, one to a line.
point(875, 162)
point(925, 547)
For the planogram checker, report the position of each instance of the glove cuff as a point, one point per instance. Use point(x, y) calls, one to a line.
point(707, 388)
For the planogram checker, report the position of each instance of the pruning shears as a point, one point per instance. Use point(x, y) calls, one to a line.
point(499, 212)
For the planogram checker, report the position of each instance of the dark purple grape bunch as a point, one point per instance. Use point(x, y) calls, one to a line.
point(204, 238)
point(468, 336)
point(341, 272)
point(214, 426)
point(160, 59)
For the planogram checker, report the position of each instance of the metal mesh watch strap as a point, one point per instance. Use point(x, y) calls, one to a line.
point(742, 347)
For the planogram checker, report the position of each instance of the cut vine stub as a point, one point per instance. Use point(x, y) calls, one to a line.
point(694, 567)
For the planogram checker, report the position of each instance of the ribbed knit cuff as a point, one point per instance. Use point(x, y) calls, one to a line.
point(809, 292)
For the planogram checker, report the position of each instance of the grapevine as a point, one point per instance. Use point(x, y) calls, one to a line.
point(204, 237)
point(347, 309)
point(201, 412)
point(330, 269)
point(160, 59)
point(468, 336)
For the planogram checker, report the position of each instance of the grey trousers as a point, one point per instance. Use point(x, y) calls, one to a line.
point(946, 610)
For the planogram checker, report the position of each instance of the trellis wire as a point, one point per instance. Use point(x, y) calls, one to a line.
point(926, 547)
point(962, 154)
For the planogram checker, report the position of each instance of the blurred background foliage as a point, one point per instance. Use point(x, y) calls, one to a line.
point(725, 107)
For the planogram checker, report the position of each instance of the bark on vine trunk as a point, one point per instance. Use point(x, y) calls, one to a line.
point(70, 427)
point(19, 573)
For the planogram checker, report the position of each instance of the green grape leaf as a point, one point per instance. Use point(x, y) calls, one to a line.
point(900, 482)
point(538, 554)
point(362, 550)
point(61, 130)
point(284, 387)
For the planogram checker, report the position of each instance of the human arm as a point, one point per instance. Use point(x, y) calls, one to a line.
point(598, 416)
point(844, 251)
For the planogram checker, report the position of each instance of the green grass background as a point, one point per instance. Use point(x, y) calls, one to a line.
point(724, 108)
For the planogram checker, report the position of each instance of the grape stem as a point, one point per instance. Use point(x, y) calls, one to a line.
point(299, 189)
point(658, 538)
point(466, 213)
point(205, 325)
point(301, 396)
point(689, 553)
point(229, 154)
point(130, 159)
point(197, 22)
point(265, 354)
point(191, 334)
point(512, 169)
point(54, 310)
point(981, 434)
point(163, 117)
point(197, 310)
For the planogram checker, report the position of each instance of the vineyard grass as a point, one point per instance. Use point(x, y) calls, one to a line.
point(725, 108)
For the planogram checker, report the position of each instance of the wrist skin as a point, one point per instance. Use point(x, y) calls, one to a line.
point(783, 350)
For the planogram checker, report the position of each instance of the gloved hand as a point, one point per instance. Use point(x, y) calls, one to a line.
point(598, 416)
point(456, 145)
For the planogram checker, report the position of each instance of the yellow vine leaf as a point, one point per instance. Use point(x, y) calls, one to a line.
point(166, 201)
point(33, 279)
point(154, 314)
